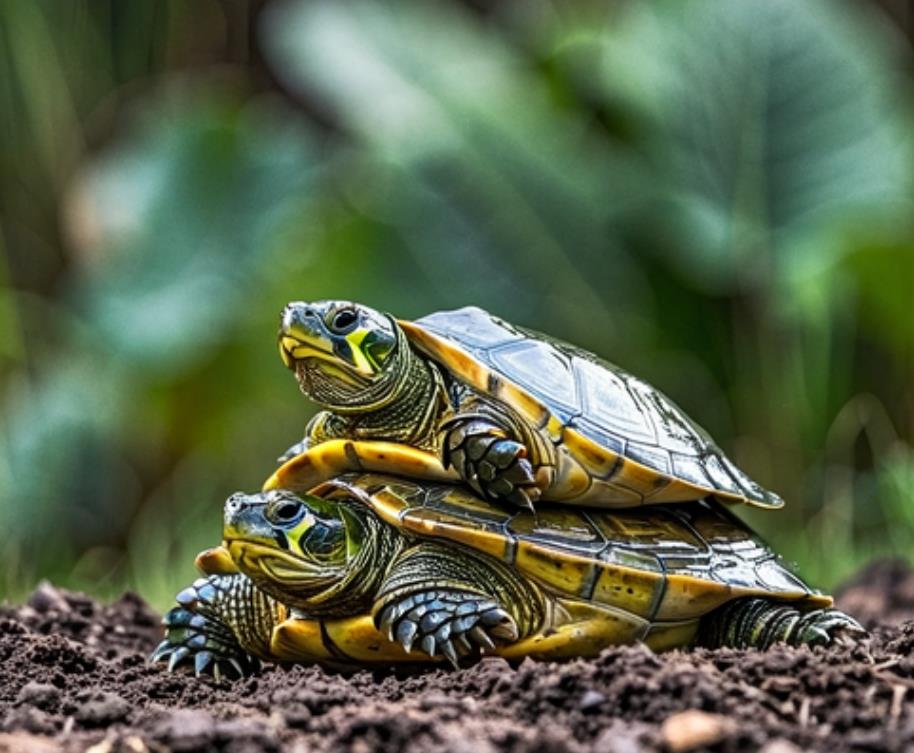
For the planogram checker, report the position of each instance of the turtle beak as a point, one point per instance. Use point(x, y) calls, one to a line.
point(245, 519)
point(301, 335)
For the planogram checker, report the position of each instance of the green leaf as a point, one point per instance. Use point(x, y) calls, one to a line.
point(776, 125)
point(502, 196)
point(179, 225)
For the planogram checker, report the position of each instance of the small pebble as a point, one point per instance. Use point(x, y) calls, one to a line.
point(693, 729)
point(591, 700)
point(780, 745)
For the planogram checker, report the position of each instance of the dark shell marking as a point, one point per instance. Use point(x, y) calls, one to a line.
point(597, 400)
point(663, 562)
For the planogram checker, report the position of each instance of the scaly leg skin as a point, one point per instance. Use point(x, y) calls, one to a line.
point(760, 623)
point(219, 625)
point(492, 463)
point(322, 426)
point(446, 601)
point(447, 622)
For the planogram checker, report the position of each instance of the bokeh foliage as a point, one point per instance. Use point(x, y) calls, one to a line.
point(716, 195)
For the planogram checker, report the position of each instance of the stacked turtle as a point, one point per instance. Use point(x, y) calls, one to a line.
point(471, 487)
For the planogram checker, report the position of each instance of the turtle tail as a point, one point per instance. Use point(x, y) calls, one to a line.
point(760, 623)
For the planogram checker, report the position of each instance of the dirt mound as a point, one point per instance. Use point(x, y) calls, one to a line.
point(74, 675)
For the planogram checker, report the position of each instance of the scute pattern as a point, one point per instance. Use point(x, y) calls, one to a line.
point(472, 326)
point(701, 540)
point(542, 370)
point(608, 402)
point(600, 401)
point(614, 442)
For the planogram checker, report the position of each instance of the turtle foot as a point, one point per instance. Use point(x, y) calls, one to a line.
point(449, 623)
point(760, 623)
point(492, 464)
point(194, 636)
point(824, 627)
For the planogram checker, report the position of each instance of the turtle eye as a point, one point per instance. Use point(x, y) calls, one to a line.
point(286, 512)
point(343, 320)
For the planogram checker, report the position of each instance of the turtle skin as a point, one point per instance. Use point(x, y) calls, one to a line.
point(516, 415)
point(469, 576)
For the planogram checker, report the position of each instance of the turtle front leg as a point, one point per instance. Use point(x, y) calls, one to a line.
point(220, 626)
point(322, 426)
point(760, 623)
point(448, 602)
point(489, 460)
point(448, 622)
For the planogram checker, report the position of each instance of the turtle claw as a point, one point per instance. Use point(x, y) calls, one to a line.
point(482, 638)
point(236, 665)
point(500, 624)
point(177, 656)
point(195, 635)
point(201, 661)
point(492, 464)
point(824, 627)
point(446, 623)
point(161, 651)
point(406, 634)
point(210, 650)
point(450, 653)
point(761, 623)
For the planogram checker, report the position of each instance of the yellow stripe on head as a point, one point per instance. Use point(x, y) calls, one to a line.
point(295, 534)
point(355, 339)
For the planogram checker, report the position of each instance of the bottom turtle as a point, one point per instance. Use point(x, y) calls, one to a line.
point(370, 569)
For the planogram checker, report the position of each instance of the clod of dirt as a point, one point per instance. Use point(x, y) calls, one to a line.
point(45, 598)
point(100, 709)
point(39, 694)
point(74, 676)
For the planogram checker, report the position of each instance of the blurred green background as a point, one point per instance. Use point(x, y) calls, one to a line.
point(716, 195)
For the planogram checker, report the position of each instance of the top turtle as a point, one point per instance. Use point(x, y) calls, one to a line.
point(516, 414)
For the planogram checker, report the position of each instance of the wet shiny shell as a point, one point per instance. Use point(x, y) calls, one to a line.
point(660, 563)
point(620, 429)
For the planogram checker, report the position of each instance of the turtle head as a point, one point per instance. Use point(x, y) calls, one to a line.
point(305, 551)
point(289, 544)
point(341, 352)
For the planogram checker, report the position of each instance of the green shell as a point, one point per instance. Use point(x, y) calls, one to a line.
point(633, 428)
point(662, 563)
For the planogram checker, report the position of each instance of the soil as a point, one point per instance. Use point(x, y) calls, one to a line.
point(73, 676)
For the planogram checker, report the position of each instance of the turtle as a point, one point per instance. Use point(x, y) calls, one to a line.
point(369, 569)
point(516, 414)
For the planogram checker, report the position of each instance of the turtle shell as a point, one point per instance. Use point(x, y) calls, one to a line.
point(623, 432)
point(660, 564)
